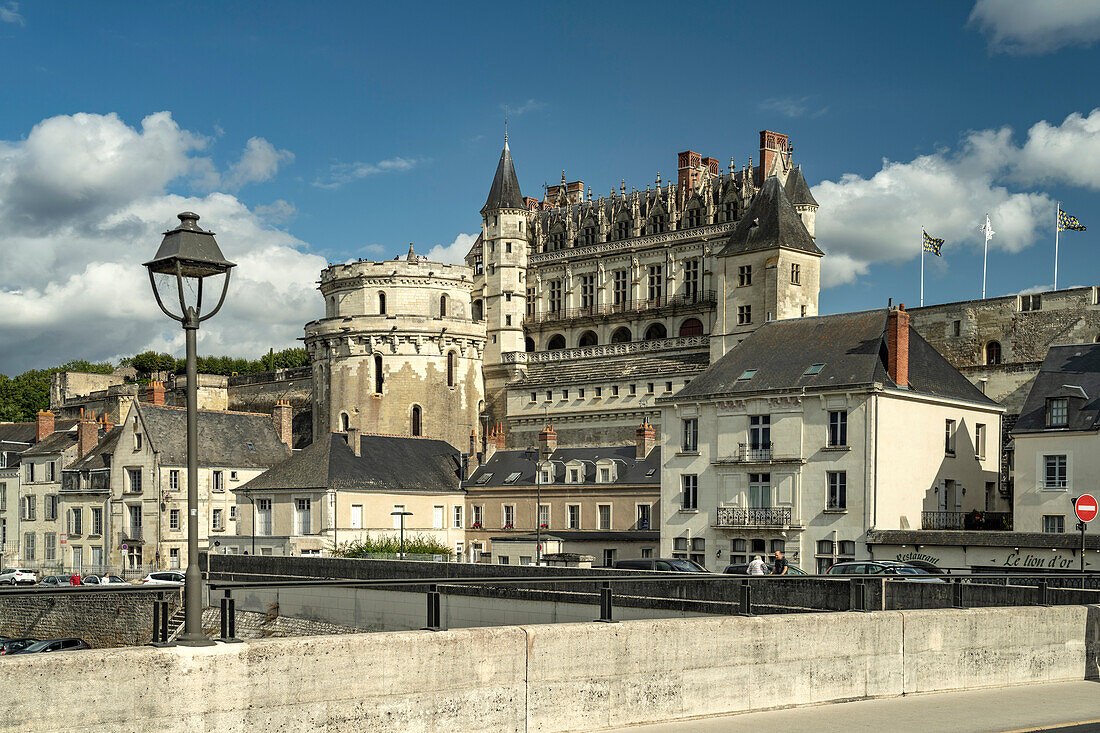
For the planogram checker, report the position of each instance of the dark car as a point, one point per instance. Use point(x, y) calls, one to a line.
point(883, 567)
point(660, 564)
point(56, 580)
point(11, 646)
point(742, 568)
point(53, 645)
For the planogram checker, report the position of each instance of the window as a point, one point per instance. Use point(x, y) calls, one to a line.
point(28, 508)
point(76, 521)
point(173, 480)
point(263, 516)
point(30, 473)
point(303, 520)
point(796, 274)
point(450, 368)
point(649, 388)
point(645, 512)
point(679, 547)
point(668, 387)
point(599, 391)
point(442, 306)
point(476, 511)
point(97, 520)
point(457, 516)
point(573, 516)
point(553, 299)
point(760, 432)
point(416, 427)
point(3, 497)
point(588, 292)
point(979, 441)
point(217, 481)
point(698, 551)
point(622, 229)
point(51, 507)
point(689, 492)
point(956, 328)
point(137, 441)
point(605, 475)
point(744, 275)
point(134, 475)
point(174, 556)
point(608, 557)
point(838, 428)
point(437, 516)
point(218, 523)
point(690, 442)
point(949, 437)
point(1054, 523)
point(729, 210)
point(507, 320)
point(382, 304)
point(502, 560)
point(544, 516)
point(603, 516)
point(619, 288)
point(656, 283)
point(993, 353)
point(694, 217)
point(747, 375)
point(378, 377)
point(1054, 476)
point(574, 476)
point(135, 521)
point(397, 514)
point(691, 327)
point(802, 311)
point(174, 520)
point(51, 471)
point(1031, 302)
point(837, 499)
point(614, 390)
point(49, 546)
point(744, 315)
point(633, 390)
point(529, 305)
point(233, 513)
point(28, 546)
point(1057, 412)
point(691, 280)
point(589, 234)
point(508, 516)
point(760, 490)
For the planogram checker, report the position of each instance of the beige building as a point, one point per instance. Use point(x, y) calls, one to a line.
point(814, 431)
point(332, 493)
point(598, 501)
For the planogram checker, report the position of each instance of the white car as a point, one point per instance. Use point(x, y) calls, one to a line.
point(11, 577)
point(164, 577)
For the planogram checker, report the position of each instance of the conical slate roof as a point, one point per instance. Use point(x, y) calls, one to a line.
point(797, 190)
point(770, 222)
point(505, 191)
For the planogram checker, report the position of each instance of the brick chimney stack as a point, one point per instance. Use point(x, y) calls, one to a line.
point(548, 442)
point(107, 425)
point(772, 145)
point(284, 424)
point(897, 346)
point(354, 443)
point(155, 394)
point(44, 425)
point(471, 457)
point(645, 437)
point(87, 434)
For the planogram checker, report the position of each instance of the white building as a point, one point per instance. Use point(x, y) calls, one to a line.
point(813, 431)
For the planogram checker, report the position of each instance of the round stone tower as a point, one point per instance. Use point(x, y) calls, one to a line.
point(398, 351)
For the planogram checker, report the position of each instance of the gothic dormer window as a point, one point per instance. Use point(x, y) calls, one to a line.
point(729, 210)
point(622, 229)
point(589, 234)
point(694, 217)
point(557, 238)
point(658, 224)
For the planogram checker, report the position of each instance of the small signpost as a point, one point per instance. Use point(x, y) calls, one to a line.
point(1085, 507)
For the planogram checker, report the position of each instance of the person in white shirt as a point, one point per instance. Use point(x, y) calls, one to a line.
point(757, 566)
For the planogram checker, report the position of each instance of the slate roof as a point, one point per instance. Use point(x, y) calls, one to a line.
point(1074, 367)
point(504, 193)
point(99, 457)
point(630, 470)
point(797, 190)
point(604, 369)
point(24, 432)
point(851, 346)
point(386, 463)
point(238, 439)
point(770, 221)
point(54, 443)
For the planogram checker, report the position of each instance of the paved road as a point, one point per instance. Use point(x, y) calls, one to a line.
point(1066, 706)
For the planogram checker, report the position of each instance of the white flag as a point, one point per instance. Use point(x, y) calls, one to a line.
point(987, 230)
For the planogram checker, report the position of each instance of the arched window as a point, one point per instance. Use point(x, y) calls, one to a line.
point(382, 304)
point(529, 344)
point(588, 338)
point(656, 331)
point(442, 306)
point(622, 335)
point(416, 420)
point(993, 353)
point(378, 374)
point(477, 310)
point(345, 423)
point(557, 341)
point(450, 368)
point(691, 327)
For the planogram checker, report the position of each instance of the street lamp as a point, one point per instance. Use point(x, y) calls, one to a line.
point(534, 456)
point(402, 514)
point(190, 255)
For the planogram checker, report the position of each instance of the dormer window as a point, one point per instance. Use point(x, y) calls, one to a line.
point(622, 230)
point(574, 475)
point(747, 375)
point(1057, 412)
point(694, 217)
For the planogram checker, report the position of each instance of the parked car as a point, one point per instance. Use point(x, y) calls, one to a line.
point(882, 567)
point(742, 568)
point(56, 580)
point(13, 576)
point(107, 579)
point(660, 564)
point(54, 645)
point(11, 646)
point(165, 577)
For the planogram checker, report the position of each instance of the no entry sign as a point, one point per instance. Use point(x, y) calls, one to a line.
point(1085, 507)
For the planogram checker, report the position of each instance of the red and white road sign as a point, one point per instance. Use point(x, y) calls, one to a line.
point(1085, 507)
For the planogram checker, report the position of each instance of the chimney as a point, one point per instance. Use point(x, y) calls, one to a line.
point(645, 437)
point(491, 444)
point(87, 435)
point(105, 423)
point(500, 435)
point(772, 145)
point(548, 442)
point(471, 457)
point(897, 346)
point(155, 394)
point(43, 426)
point(688, 163)
point(353, 441)
point(284, 425)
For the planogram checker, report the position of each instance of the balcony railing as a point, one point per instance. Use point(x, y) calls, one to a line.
point(131, 533)
point(732, 516)
point(975, 520)
point(700, 297)
point(601, 350)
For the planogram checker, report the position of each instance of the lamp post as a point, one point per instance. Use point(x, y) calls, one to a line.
point(402, 514)
point(190, 255)
point(533, 455)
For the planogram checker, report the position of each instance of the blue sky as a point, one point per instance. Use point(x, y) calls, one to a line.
point(307, 133)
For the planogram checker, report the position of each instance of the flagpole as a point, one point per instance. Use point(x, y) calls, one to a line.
point(922, 266)
point(985, 257)
point(1057, 216)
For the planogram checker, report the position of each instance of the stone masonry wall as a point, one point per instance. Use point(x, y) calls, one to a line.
point(100, 617)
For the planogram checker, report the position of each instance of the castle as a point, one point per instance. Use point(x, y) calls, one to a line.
point(574, 310)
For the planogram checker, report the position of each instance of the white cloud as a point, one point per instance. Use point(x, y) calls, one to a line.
point(259, 162)
point(340, 173)
point(1034, 27)
point(9, 13)
point(793, 107)
point(277, 212)
point(84, 200)
point(455, 252)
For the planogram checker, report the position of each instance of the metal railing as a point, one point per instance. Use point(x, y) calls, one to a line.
point(974, 521)
point(732, 516)
point(748, 452)
point(630, 305)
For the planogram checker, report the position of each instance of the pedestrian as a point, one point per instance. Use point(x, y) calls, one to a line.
point(779, 567)
point(75, 579)
point(757, 566)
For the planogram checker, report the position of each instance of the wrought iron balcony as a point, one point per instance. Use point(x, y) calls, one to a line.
point(757, 453)
point(734, 516)
point(974, 521)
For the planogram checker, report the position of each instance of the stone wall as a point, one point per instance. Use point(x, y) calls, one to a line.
point(100, 617)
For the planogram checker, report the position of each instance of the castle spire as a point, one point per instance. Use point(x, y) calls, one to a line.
point(504, 193)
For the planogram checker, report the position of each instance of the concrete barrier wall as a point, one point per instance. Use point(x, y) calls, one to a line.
point(561, 677)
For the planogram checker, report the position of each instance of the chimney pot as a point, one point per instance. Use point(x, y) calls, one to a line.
point(87, 435)
point(548, 442)
point(284, 422)
point(897, 346)
point(155, 393)
point(645, 438)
